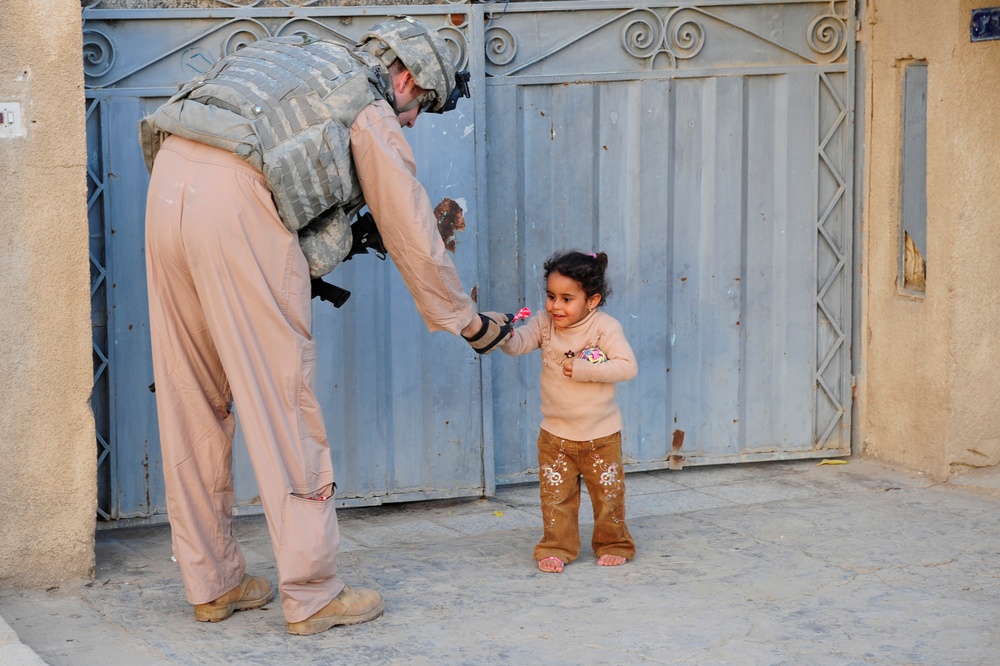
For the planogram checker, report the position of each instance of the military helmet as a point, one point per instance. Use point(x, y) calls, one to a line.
point(422, 50)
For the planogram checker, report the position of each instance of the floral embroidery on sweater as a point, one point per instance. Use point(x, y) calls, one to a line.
point(549, 351)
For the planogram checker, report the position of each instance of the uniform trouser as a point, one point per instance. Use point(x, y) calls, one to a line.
point(230, 317)
point(561, 462)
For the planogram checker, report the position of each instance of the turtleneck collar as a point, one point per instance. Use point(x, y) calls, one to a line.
point(584, 321)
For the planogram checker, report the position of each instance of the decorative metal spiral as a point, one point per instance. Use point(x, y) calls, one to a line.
point(827, 35)
point(98, 53)
point(501, 46)
point(244, 37)
point(458, 44)
point(687, 39)
point(642, 36)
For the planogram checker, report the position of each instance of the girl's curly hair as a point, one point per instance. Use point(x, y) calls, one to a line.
point(586, 268)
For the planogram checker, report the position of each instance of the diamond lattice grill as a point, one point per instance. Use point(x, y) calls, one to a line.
point(830, 216)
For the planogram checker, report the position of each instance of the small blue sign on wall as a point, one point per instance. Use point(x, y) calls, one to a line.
point(985, 24)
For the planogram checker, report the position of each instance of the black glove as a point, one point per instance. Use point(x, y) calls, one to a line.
point(495, 331)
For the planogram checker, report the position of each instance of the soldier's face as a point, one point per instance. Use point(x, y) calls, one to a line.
point(408, 118)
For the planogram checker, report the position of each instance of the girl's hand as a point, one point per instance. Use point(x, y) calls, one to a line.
point(568, 367)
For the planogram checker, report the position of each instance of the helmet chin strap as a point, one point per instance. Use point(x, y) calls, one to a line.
point(400, 111)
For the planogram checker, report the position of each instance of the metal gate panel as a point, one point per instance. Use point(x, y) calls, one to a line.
point(134, 406)
point(705, 147)
point(403, 407)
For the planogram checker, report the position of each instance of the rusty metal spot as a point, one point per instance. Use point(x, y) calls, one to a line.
point(450, 218)
point(676, 460)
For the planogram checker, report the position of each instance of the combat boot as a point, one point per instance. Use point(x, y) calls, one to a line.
point(349, 607)
point(252, 592)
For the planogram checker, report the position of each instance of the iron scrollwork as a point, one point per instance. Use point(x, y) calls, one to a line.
point(98, 53)
point(827, 35)
point(244, 36)
point(677, 37)
point(501, 46)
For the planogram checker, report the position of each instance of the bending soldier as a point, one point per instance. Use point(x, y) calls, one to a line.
point(257, 167)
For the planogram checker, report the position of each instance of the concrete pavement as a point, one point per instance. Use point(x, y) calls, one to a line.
point(766, 563)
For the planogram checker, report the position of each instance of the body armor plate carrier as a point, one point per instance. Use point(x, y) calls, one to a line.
point(284, 104)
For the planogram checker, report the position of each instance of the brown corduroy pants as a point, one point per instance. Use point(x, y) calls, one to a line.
point(561, 463)
point(230, 318)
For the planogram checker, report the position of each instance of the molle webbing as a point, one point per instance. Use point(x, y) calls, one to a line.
point(286, 104)
point(300, 97)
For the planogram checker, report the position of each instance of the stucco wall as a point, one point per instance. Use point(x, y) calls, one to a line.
point(931, 365)
point(47, 487)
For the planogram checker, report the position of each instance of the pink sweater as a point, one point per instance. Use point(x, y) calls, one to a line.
point(581, 407)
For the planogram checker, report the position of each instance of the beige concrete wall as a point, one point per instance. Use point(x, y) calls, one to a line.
point(47, 442)
point(931, 366)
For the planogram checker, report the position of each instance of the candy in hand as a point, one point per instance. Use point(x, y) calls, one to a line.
point(523, 314)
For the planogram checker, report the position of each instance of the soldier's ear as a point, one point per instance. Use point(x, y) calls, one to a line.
point(403, 81)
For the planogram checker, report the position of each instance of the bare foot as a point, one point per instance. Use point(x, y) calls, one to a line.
point(550, 565)
point(611, 560)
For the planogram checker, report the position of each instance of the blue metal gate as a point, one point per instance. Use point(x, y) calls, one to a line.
point(403, 407)
point(705, 146)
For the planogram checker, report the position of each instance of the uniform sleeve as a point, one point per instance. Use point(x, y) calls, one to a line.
point(525, 338)
point(620, 365)
point(386, 170)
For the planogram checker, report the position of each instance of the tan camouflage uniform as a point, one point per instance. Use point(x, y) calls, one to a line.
point(230, 319)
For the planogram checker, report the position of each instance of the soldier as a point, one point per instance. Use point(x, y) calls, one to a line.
point(260, 164)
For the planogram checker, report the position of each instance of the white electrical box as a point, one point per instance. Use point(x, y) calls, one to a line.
point(10, 120)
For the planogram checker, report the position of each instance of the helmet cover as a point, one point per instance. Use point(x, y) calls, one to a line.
point(421, 50)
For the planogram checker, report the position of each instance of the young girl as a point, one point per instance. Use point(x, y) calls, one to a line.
point(584, 352)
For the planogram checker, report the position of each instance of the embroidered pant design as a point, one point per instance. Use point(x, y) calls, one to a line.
point(561, 463)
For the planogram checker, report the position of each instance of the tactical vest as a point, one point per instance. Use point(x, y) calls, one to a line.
point(286, 105)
